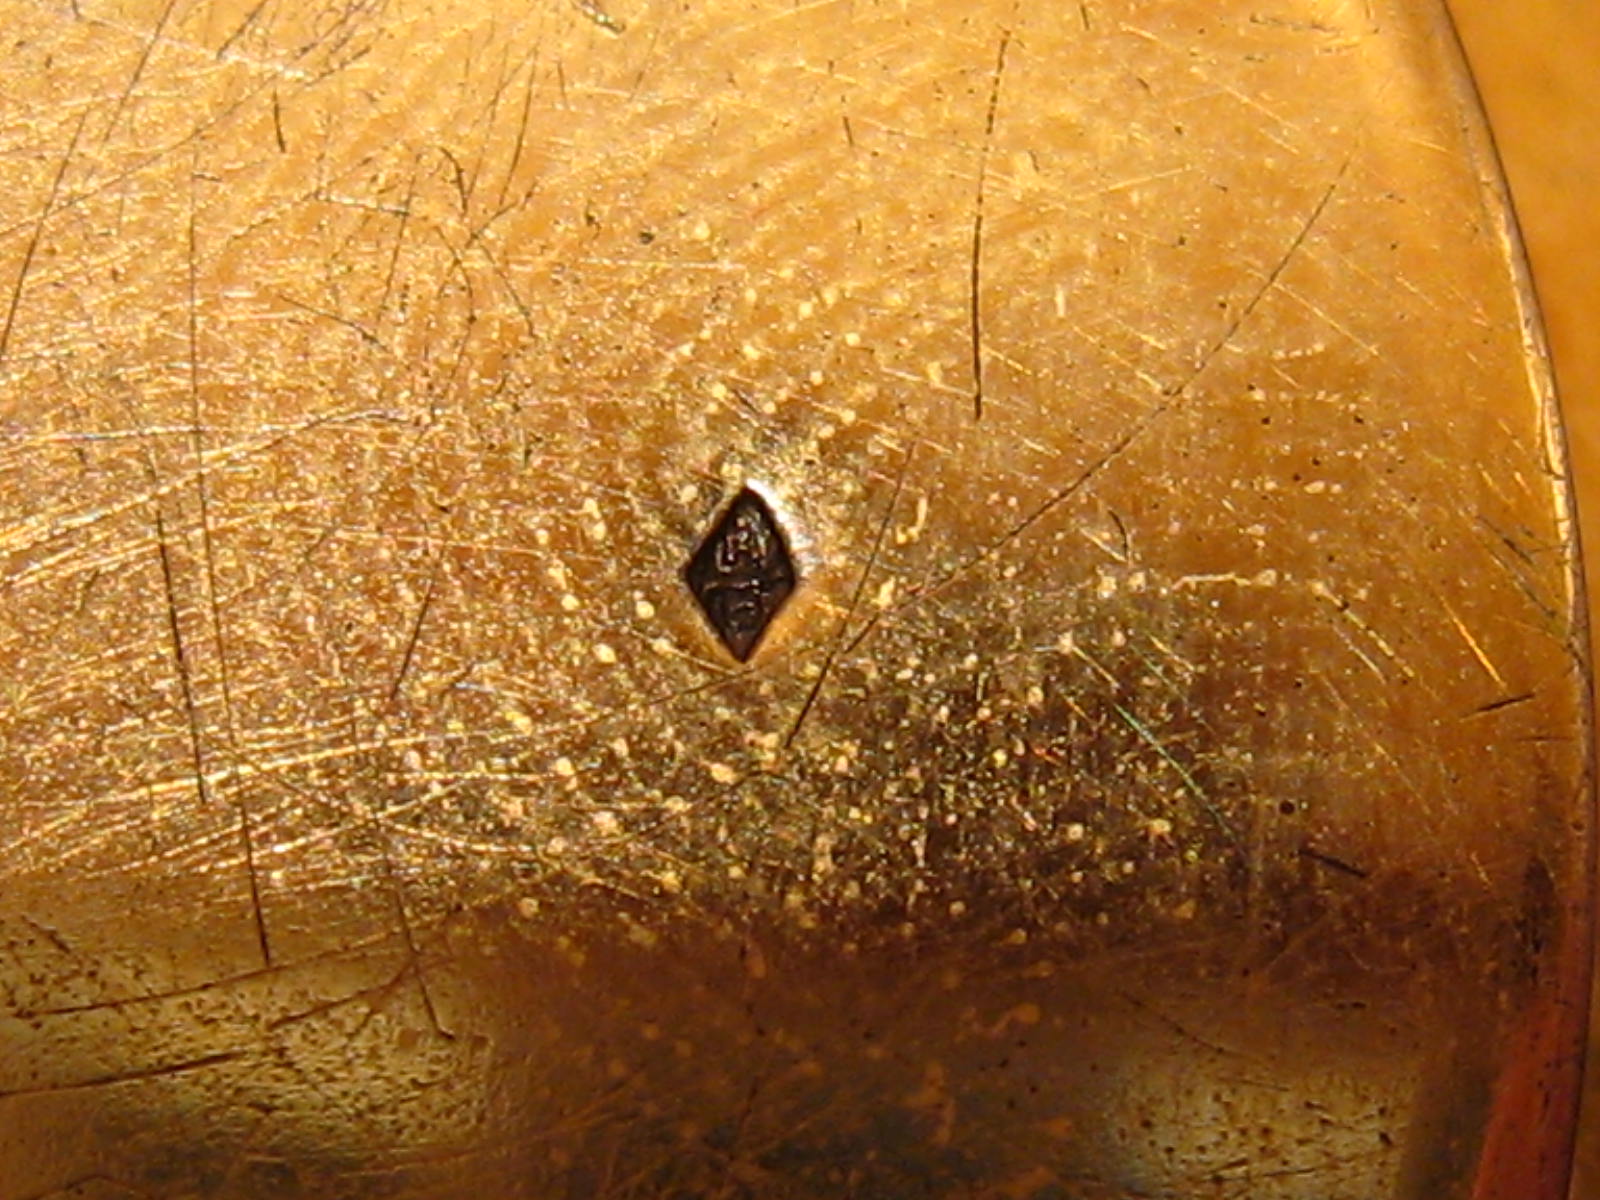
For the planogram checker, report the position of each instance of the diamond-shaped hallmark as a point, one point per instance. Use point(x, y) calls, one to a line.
point(742, 573)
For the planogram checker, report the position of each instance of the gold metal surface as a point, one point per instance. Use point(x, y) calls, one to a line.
point(1167, 777)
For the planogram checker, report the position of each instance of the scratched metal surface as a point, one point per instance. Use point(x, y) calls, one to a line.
point(1167, 777)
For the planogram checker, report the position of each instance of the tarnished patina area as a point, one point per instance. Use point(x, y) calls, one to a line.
point(1167, 775)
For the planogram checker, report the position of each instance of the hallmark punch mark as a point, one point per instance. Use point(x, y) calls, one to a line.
point(742, 573)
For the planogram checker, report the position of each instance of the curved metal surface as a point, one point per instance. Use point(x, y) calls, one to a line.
point(1167, 776)
point(1534, 66)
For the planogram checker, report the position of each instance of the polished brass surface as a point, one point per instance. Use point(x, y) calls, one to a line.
point(1167, 777)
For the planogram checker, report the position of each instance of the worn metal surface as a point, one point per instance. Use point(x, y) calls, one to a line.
point(1168, 775)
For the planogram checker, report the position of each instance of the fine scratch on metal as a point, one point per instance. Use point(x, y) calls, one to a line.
point(50, 526)
point(241, 29)
point(838, 644)
point(1271, 279)
point(138, 71)
point(32, 248)
point(1136, 430)
point(993, 549)
point(1182, 772)
point(394, 253)
point(519, 146)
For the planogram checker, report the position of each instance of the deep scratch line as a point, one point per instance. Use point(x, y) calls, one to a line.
point(1336, 864)
point(352, 952)
point(416, 631)
point(194, 1064)
point(1504, 702)
point(185, 682)
point(975, 284)
point(376, 991)
point(414, 955)
point(197, 447)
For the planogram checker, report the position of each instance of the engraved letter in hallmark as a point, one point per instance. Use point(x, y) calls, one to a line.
point(742, 573)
